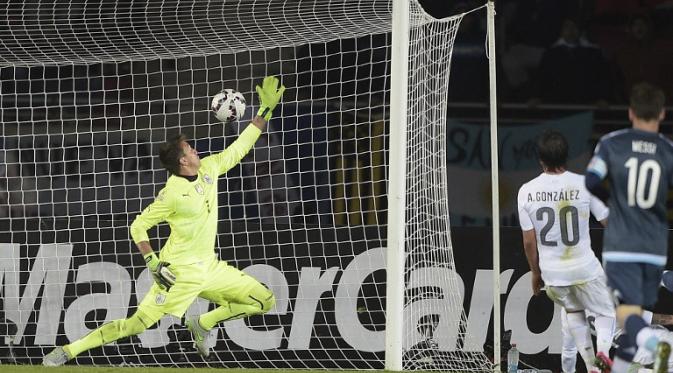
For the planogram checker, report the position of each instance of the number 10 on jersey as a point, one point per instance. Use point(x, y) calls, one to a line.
point(638, 181)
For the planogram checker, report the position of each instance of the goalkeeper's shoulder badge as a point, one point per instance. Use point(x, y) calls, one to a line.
point(207, 178)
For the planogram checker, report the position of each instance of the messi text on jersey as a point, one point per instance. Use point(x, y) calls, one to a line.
point(640, 146)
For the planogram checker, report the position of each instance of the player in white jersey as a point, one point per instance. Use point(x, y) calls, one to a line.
point(554, 210)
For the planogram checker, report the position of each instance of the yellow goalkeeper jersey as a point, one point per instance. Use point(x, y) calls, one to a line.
point(190, 208)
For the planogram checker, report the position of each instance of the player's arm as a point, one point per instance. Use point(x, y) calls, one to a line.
point(530, 248)
point(269, 95)
point(232, 155)
point(599, 210)
point(596, 172)
point(529, 243)
point(157, 212)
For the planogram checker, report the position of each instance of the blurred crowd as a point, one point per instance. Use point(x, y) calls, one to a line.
point(565, 52)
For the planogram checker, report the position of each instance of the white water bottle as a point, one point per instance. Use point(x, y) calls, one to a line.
point(512, 359)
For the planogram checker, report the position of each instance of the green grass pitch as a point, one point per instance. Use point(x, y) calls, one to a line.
point(87, 369)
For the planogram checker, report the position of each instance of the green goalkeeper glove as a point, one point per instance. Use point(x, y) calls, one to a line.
point(162, 275)
point(269, 96)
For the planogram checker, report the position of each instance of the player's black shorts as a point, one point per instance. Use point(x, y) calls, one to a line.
point(634, 283)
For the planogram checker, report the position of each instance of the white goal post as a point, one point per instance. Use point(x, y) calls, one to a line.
point(341, 208)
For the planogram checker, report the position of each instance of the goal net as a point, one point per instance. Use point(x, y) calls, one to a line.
point(92, 88)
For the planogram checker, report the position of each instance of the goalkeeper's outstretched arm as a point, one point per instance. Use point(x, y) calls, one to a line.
point(270, 93)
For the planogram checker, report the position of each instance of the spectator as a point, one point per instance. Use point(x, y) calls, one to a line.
point(573, 70)
point(643, 57)
point(530, 26)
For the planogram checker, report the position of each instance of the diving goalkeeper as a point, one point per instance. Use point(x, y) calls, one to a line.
point(187, 266)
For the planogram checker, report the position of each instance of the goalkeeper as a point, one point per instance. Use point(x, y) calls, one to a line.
point(187, 266)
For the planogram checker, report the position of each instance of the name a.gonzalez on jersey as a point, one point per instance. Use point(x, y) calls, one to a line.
point(640, 146)
point(560, 195)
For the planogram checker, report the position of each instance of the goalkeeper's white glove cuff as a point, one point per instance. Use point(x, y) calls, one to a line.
point(152, 261)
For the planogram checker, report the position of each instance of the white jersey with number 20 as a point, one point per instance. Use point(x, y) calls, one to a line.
point(557, 206)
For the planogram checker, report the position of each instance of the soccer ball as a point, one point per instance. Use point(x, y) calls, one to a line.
point(228, 105)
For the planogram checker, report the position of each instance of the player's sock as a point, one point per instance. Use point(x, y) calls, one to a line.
point(258, 303)
point(624, 354)
point(569, 357)
point(640, 334)
point(568, 350)
point(579, 328)
point(568, 363)
point(626, 350)
point(667, 280)
point(232, 311)
point(605, 327)
point(107, 333)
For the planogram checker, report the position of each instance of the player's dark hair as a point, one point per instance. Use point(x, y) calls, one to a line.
point(552, 149)
point(171, 152)
point(647, 101)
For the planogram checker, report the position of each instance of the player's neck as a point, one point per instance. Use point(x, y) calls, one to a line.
point(188, 172)
point(191, 178)
point(647, 126)
point(556, 171)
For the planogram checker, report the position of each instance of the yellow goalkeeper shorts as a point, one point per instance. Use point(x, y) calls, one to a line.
point(215, 281)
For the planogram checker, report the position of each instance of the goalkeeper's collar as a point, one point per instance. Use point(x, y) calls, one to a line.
point(191, 178)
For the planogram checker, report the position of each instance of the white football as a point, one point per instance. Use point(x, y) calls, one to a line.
point(228, 105)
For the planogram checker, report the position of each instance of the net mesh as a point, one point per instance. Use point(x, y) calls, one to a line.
point(82, 32)
point(434, 317)
point(90, 89)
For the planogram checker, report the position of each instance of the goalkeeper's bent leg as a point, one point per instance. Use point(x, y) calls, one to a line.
point(256, 304)
point(111, 332)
